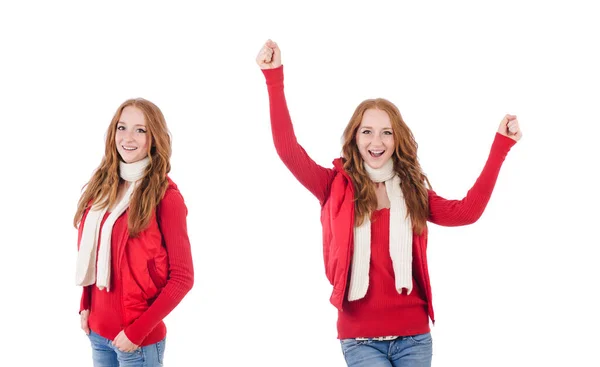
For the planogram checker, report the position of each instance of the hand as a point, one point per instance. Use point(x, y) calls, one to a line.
point(123, 343)
point(509, 126)
point(269, 56)
point(83, 316)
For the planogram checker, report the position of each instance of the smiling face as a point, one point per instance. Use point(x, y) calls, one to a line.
point(375, 138)
point(131, 136)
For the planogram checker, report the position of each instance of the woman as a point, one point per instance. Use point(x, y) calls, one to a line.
point(375, 205)
point(134, 259)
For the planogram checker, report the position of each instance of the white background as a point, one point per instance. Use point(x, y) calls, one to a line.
point(518, 288)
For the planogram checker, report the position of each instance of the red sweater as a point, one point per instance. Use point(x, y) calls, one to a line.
point(382, 311)
point(106, 312)
point(150, 273)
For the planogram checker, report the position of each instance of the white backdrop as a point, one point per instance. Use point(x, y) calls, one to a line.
point(518, 288)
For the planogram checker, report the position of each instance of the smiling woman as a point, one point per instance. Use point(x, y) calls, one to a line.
point(375, 204)
point(134, 260)
point(131, 139)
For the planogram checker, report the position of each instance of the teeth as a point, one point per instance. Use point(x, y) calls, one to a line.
point(376, 153)
point(127, 148)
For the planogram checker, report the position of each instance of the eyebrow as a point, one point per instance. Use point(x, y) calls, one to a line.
point(369, 127)
point(124, 123)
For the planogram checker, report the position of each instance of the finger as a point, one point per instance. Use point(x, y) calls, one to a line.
point(263, 58)
point(267, 52)
point(276, 52)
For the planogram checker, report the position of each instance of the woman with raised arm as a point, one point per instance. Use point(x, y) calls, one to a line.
point(375, 203)
point(134, 260)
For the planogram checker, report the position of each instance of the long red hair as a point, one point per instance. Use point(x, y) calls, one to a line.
point(406, 164)
point(102, 188)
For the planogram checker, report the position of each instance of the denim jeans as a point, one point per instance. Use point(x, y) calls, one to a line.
point(104, 354)
point(406, 351)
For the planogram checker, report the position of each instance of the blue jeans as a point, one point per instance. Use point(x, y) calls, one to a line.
point(105, 354)
point(406, 351)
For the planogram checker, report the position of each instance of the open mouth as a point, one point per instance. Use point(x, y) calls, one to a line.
point(129, 149)
point(376, 153)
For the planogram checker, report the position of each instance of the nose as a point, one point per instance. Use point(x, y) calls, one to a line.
point(128, 135)
point(376, 140)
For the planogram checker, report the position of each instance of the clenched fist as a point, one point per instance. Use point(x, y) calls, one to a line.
point(509, 126)
point(269, 56)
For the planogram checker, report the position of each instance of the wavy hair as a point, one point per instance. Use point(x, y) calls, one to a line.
point(406, 164)
point(102, 188)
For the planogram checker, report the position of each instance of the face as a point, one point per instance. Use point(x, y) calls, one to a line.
point(132, 135)
point(374, 138)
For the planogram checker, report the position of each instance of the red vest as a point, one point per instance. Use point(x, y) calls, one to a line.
point(337, 219)
point(142, 262)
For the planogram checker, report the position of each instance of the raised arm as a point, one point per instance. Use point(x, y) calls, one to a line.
point(468, 210)
point(315, 178)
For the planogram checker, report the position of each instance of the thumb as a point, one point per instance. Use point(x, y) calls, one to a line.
point(85, 326)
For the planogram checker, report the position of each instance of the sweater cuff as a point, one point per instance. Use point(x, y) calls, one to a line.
point(84, 304)
point(502, 144)
point(273, 76)
point(135, 335)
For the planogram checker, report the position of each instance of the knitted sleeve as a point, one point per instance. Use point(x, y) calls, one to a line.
point(171, 216)
point(314, 177)
point(86, 293)
point(468, 210)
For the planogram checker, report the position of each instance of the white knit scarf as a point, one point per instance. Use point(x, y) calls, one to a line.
point(87, 273)
point(400, 238)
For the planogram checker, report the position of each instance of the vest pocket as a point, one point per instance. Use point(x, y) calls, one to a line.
point(156, 279)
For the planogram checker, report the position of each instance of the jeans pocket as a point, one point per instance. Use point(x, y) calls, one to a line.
point(160, 350)
point(421, 338)
point(350, 344)
point(128, 358)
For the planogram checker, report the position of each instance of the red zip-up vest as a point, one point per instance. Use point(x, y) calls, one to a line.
point(337, 219)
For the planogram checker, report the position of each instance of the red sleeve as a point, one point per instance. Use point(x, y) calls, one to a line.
point(315, 178)
point(466, 211)
point(171, 216)
point(86, 293)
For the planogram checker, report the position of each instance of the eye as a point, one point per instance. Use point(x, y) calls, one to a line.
point(366, 132)
point(120, 127)
point(141, 131)
point(387, 132)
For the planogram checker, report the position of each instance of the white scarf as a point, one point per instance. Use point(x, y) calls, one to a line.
point(400, 237)
point(87, 273)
